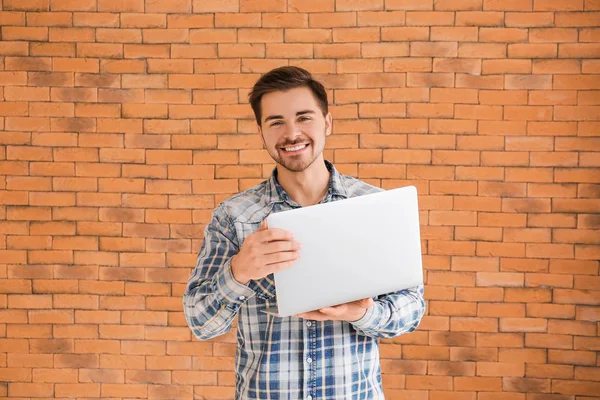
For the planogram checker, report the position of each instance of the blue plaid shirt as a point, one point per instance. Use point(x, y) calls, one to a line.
point(289, 358)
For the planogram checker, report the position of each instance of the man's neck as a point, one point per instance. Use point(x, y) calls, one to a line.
point(308, 187)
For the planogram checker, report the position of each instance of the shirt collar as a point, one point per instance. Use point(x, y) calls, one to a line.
point(336, 187)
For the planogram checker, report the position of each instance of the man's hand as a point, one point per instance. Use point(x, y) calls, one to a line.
point(348, 312)
point(264, 252)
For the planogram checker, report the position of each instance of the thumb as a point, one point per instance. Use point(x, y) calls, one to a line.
point(366, 303)
point(263, 225)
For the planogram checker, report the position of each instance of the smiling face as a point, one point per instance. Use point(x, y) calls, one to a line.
point(293, 128)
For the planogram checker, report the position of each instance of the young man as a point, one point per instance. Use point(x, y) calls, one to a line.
point(330, 353)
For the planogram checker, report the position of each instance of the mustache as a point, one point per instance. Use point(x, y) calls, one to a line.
point(288, 143)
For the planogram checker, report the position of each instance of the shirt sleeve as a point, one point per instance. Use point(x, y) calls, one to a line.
point(393, 314)
point(213, 297)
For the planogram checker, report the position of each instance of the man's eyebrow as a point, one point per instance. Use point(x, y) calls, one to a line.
point(271, 117)
point(304, 112)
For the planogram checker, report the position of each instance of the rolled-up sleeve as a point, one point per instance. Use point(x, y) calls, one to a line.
point(393, 314)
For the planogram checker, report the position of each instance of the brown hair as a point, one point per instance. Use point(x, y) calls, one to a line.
point(282, 79)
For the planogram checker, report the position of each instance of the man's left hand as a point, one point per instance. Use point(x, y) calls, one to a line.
point(348, 312)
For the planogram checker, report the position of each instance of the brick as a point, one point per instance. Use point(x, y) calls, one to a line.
point(71, 35)
point(147, 51)
point(587, 98)
point(121, 5)
point(139, 20)
point(512, 97)
point(500, 369)
point(574, 387)
point(8, 18)
point(553, 98)
point(263, 35)
point(479, 18)
point(25, 33)
point(54, 18)
point(95, 19)
point(332, 20)
point(470, 66)
point(20, 389)
point(169, 96)
point(196, 81)
point(586, 343)
point(580, 19)
point(119, 35)
point(481, 50)
point(433, 49)
point(480, 112)
point(69, 5)
point(426, 18)
point(571, 357)
point(480, 82)
point(100, 50)
point(73, 124)
point(532, 50)
point(581, 373)
point(477, 383)
point(16, 48)
point(552, 35)
point(377, 18)
point(523, 265)
point(550, 310)
point(589, 35)
point(528, 82)
point(435, 79)
point(14, 109)
point(503, 35)
point(501, 310)
point(189, 21)
point(513, 66)
point(285, 20)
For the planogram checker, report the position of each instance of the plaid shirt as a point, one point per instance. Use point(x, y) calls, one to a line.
point(289, 358)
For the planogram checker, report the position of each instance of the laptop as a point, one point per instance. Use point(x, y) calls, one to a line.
point(352, 249)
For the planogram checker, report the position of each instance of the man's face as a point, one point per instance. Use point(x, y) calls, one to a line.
point(293, 128)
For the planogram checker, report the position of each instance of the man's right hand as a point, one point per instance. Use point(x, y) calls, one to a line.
point(264, 252)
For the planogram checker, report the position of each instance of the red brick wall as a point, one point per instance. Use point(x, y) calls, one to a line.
point(125, 122)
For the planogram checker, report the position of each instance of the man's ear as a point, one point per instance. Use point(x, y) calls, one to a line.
point(328, 124)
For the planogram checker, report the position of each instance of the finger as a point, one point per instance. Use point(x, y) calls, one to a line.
point(314, 315)
point(333, 311)
point(272, 268)
point(280, 257)
point(273, 234)
point(279, 246)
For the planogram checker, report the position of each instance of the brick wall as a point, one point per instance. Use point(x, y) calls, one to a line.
point(124, 122)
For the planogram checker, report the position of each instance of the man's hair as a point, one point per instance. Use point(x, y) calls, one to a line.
point(282, 79)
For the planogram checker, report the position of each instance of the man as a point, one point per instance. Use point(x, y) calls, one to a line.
point(330, 353)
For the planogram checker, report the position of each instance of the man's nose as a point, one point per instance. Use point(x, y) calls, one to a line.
point(292, 130)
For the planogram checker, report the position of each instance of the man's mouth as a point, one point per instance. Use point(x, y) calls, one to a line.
point(296, 147)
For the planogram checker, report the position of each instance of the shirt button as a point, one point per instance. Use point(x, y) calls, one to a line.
point(242, 297)
point(309, 360)
point(309, 324)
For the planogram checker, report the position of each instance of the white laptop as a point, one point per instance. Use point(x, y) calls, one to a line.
point(352, 249)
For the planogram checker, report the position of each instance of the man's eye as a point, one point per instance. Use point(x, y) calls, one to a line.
point(302, 119)
point(276, 123)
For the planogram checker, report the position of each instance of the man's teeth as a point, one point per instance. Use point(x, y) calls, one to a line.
point(295, 148)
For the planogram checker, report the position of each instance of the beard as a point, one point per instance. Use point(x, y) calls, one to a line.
point(299, 162)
